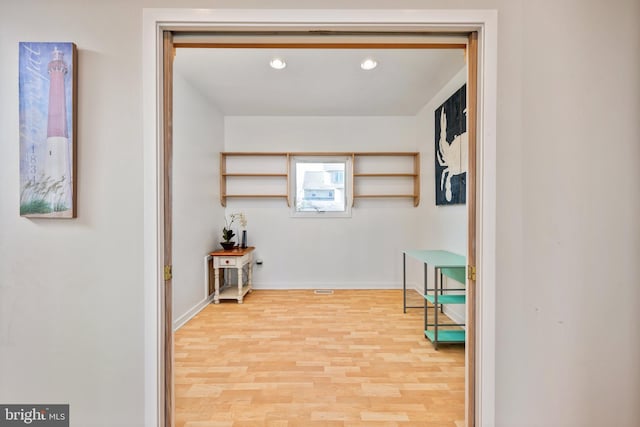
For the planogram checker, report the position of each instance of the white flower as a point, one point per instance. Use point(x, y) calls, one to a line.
point(240, 216)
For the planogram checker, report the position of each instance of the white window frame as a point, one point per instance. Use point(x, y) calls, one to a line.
point(348, 187)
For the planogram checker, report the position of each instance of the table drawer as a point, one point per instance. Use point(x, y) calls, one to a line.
point(227, 261)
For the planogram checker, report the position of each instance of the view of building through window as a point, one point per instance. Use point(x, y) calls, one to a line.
point(320, 186)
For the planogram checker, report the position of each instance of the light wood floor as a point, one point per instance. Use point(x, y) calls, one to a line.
point(293, 358)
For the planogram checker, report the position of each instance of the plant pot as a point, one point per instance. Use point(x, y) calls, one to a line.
point(227, 245)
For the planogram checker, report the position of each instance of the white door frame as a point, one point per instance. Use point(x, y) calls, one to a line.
point(484, 21)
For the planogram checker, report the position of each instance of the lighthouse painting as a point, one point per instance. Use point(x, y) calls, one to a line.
point(47, 93)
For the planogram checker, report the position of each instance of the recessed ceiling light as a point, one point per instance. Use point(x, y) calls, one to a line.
point(368, 64)
point(277, 63)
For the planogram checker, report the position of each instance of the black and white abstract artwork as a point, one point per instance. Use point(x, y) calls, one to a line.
point(452, 148)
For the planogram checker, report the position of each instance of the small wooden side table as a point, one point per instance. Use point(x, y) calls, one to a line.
point(234, 258)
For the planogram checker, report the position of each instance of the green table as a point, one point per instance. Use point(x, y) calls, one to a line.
point(447, 264)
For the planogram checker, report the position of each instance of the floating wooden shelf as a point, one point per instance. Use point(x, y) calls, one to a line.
point(387, 175)
point(250, 196)
point(380, 196)
point(256, 174)
point(224, 175)
point(414, 174)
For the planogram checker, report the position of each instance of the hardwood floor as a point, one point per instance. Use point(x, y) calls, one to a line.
point(296, 359)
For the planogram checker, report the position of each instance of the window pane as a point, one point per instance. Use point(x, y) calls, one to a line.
point(320, 187)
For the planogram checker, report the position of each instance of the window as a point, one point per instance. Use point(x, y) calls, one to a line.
point(320, 186)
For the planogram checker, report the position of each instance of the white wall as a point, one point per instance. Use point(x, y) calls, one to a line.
point(71, 291)
point(198, 130)
point(440, 227)
point(568, 159)
point(362, 251)
point(443, 227)
point(569, 214)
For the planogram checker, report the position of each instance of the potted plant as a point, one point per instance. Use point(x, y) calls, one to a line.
point(227, 235)
point(227, 231)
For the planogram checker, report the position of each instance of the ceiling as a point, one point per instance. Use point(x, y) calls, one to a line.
point(318, 82)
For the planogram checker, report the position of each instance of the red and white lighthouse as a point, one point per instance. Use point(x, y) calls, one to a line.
point(57, 161)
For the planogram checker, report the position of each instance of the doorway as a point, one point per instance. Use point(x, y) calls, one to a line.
point(158, 237)
point(322, 101)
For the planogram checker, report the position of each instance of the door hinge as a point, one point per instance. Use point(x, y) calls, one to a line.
point(471, 272)
point(167, 272)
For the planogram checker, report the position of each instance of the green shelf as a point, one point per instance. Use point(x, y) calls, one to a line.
point(446, 299)
point(446, 336)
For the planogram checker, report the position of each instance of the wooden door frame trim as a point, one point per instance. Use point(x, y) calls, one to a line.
point(168, 53)
point(155, 21)
point(472, 127)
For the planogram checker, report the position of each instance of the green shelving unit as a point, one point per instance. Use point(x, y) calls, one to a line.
point(438, 335)
point(446, 299)
point(444, 264)
point(448, 336)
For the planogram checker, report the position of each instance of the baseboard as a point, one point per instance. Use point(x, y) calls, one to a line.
point(180, 321)
point(326, 285)
point(456, 317)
